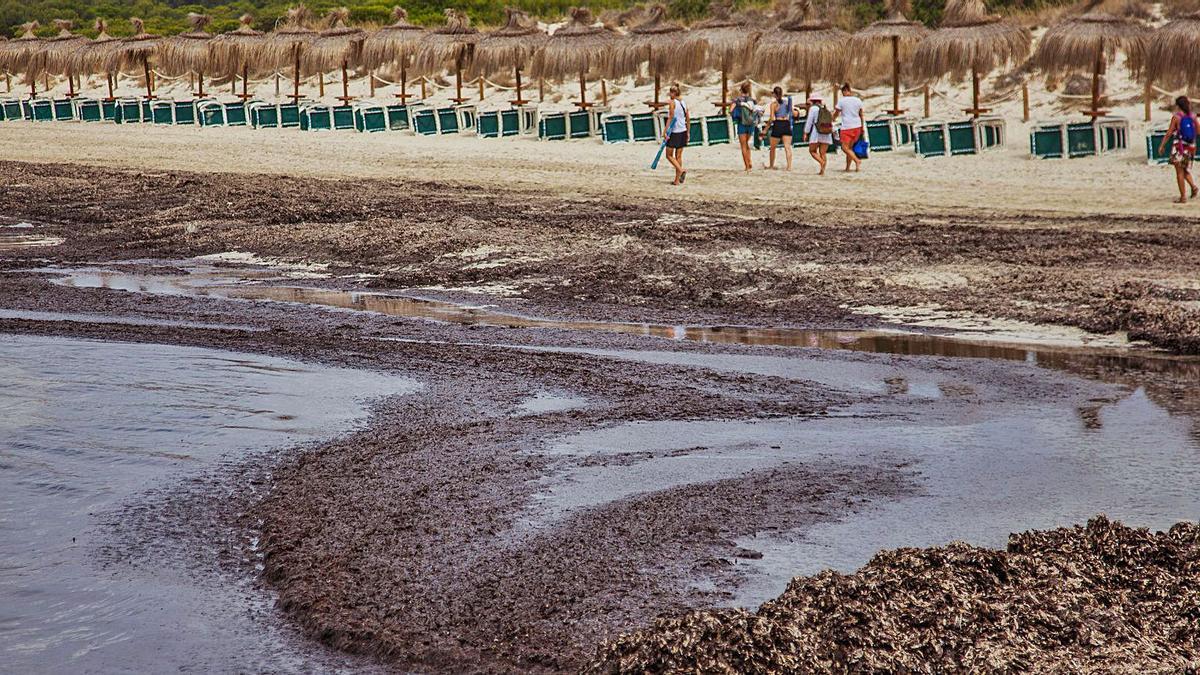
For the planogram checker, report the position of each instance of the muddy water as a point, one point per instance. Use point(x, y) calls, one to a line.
point(88, 428)
point(990, 465)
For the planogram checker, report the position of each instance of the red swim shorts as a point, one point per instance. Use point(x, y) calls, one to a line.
point(850, 136)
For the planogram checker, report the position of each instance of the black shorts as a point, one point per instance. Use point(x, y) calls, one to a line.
point(677, 139)
point(781, 128)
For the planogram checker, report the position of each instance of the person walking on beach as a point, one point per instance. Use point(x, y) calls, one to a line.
point(850, 107)
point(781, 114)
point(818, 131)
point(1182, 135)
point(677, 133)
point(745, 117)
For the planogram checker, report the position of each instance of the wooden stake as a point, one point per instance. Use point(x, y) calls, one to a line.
point(371, 81)
point(926, 93)
point(1025, 101)
point(149, 78)
point(604, 92)
point(321, 85)
point(7, 83)
point(423, 91)
point(480, 87)
point(541, 90)
point(1147, 97)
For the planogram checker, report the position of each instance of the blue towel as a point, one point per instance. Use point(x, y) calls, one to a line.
point(658, 157)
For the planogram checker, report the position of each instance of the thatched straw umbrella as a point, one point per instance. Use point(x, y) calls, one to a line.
point(95, 56)
point(1091, 41)
point(662, 45)
point(725, 42)
point(336, 46)
point(898, 32)
point(512, 46)
point(60, 50)
point(580, 47)
point(394, 44)
point(803, 47)
point(452, 45)
point(188, 52)
point(136, 50)
point(233, 51)
point(287, 43)
point(25, 54)
point(1171, 54)
point(970, 41)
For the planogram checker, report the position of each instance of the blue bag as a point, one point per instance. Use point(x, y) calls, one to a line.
point(862, 149)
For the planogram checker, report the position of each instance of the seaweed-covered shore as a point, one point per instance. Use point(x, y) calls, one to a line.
point(1099, 597)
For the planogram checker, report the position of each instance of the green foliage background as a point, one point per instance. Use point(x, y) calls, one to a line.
point(165, 17)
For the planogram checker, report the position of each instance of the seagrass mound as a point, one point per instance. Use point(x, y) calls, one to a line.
point(1096, 598)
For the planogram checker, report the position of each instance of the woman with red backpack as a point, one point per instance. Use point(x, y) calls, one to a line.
point(1182, 133)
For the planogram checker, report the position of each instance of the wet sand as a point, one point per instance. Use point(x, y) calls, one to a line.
point(479, 523)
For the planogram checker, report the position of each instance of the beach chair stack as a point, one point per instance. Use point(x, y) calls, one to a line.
point(649, 127)
point(1067, 140)
point(949, 139)
point(1154, 139)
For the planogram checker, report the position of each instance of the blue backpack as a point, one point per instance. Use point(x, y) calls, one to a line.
point(1187, 128)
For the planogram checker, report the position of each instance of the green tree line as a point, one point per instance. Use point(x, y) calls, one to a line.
point(166, 17)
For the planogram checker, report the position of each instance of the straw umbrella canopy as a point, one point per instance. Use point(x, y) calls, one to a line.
point(1171, 54)
point(897, 31)
point(59, 51)
point(397, 44)
point(232, 52)
point(188, 52)
point(25, 54)
point(95, 56)
point(970, 41)
point(662, 45)
point(451, 45)
point(725, 42)
point(579, 47)
point(136, 50)
point(804, 47)
point(1091, 41)
point(287, 43)
point(336, 46)
point(512, 46)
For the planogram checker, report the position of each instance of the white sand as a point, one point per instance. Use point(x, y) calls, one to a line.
point(1004, 180)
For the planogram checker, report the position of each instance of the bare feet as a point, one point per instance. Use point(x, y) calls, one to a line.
point(1181, 200)
point(1195, 191)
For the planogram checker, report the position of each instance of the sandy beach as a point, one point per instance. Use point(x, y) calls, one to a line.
point(633, 416)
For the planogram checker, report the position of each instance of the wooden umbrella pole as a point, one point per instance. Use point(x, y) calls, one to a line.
point(371, 81)
point(296, 74)
point(807, 90)
point(582, 91)
point(1024, 101)
point(1095, 111)
point(541, 90)
point(346, 98)
point(70, 86)
point(724, 104)
point(321, 85)
point(604, 92)
point(245, 81)
point(519, 100)
point(975, 93)
point(200, 80)
point(32, 86)
point(1147, 96)
point(458, 98)
point(8, 83)
point(109, 77)
point(403, 95)
point(149, 81)
point(925, 94)
point(424, 93)
point(896, 76)
point(480, 87)
point(657, 86)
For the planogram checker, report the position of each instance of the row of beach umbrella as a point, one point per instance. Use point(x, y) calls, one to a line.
point(970, 42)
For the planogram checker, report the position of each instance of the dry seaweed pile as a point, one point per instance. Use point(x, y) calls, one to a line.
point(1103, 597)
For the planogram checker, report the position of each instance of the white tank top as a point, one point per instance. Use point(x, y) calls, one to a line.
point(679, 121)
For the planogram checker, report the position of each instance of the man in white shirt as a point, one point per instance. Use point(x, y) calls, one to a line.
point(850, 108)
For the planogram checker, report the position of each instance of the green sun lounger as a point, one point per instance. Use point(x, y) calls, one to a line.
point(289, 115)
point(89, 110)
point(615, 128)
point(961, 138)
point(12, 109)
point(487, 125)
point(579, 124)
point(510, 122)
point(162, 112)
point(718, 130)
point(644, 127)
point(1154, 139)
point(448, 120)
point(1081, 140)
point(316, 117)
point(64, 109)
point(552, 126)
point(342, 117)
point(370, 118)
point(425, 121)
point(696, 132)
point(397, 117)
point(880, 134)
point(129, 111)
point(41, 110)
point(931, 139)
point(1047, 141)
